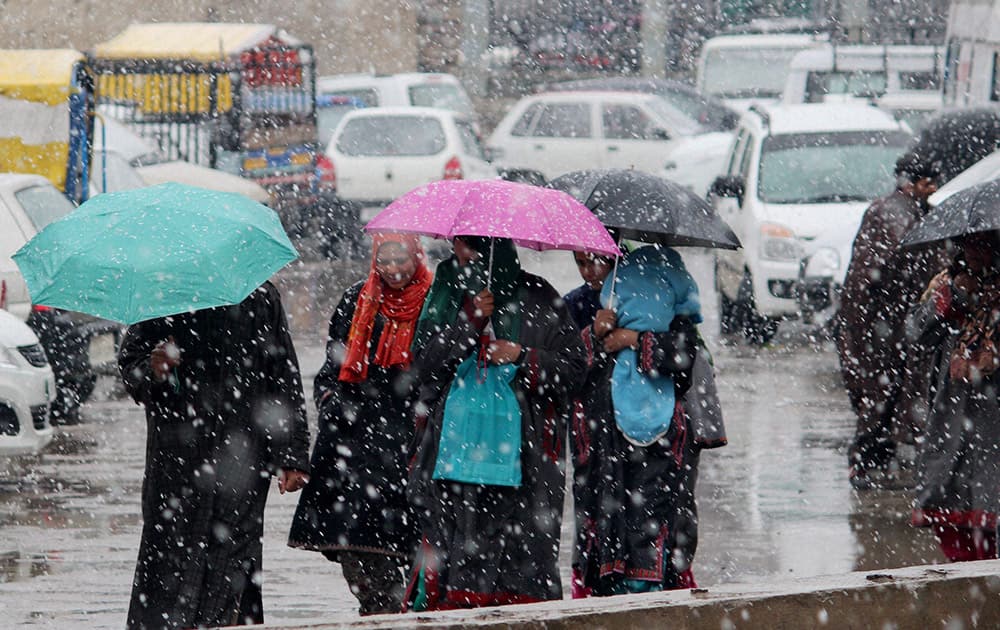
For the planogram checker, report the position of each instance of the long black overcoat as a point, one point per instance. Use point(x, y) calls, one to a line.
point(231, 414)
point(356, 496)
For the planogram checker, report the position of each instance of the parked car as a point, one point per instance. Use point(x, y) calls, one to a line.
point(27, 389)
point(338, 94)
point(381, 153)
point(710, 112)
point(743, 69)
point(27, 204)
point(556, 132)
point(796, 174)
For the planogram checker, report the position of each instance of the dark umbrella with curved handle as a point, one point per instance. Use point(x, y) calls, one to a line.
point(643, 207)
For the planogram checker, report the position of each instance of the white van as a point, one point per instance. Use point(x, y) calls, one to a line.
point(338, 94)
point(830, 72)
point(742, 69)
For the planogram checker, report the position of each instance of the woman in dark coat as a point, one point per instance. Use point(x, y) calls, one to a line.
point(354, 508)
point(489, 544)
point(224, 411)
point(958, 465)
point(637, 522)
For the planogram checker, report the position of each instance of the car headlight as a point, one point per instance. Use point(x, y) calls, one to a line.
point(779, 243)
point(825, 263)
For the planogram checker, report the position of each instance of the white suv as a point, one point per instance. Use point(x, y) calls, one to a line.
point(795, 174)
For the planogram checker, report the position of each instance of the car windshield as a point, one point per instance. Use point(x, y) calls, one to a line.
point(747, 72)
point(829, 167)
point(43, 204)
point(442, 95)
point(391, 135)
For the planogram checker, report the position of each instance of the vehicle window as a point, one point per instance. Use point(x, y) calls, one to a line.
point(828, 167)
point(675, 120)
point(43, 204)
point(391, 135)
point(564, 120)
point(625, 122)
point(442, 95)
point(747, 158)
point(470, 141)
point(738, 147)
point(862, 84)
point(523, 126)
point(919, 81)
point(747, 72)
point(690, 104)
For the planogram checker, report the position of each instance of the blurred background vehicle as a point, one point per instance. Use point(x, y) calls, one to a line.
point(381, 153)
point(27, 388)
point(556, 132)
point(240, 97)
point(902, 79)
point(797, 174)
point(79, 346)
point(742, 69)
point(710, 112)
point(341, 93)
point(46, 135)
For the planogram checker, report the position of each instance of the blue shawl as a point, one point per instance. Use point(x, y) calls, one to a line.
point(653, 286)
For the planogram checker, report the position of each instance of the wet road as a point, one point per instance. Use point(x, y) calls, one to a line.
point(774, 502)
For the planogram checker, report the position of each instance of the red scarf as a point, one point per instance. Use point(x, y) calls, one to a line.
point(399, 307)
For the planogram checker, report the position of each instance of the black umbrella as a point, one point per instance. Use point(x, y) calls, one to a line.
point(975, 209)
point(647, 208)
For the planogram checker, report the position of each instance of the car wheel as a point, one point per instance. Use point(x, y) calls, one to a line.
point(757, 329)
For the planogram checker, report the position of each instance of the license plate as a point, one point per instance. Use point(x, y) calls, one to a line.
point(102, 349)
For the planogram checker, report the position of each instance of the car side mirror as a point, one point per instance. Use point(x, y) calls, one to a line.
point(728, 186)
point(661, 134)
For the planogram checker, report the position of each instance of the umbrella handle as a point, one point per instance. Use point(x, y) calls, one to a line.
point(614, 277)
point(489, 269)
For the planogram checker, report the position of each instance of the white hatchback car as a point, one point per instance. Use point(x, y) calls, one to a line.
point(340, 93)
point(378, 154)
point(554, 133)
point(27, 388)
point(796, 174)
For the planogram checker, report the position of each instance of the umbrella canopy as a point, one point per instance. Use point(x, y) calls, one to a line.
point(530, 216)
point(982, 171)
point(975, 209)
point(151, 252)
point(648, 208)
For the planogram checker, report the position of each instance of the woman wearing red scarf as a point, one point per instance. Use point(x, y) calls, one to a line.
point(354, 508)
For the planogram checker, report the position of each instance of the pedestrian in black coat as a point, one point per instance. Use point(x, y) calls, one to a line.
point(354, 509)
point(224, 412)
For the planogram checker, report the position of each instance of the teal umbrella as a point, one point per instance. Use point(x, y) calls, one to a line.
point(151, 252)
